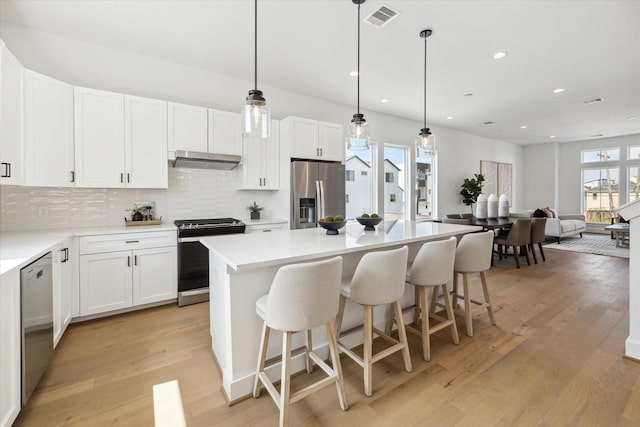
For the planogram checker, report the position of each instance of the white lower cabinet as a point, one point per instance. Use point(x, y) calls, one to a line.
point(9, 347)
point(263, 228)
point(63, 281)
point(118, 279)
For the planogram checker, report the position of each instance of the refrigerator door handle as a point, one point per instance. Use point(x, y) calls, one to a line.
point(322, 206)
point(319, 205)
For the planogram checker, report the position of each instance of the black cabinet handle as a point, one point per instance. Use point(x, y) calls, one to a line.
point(66, 254)
point(122, 178)
point(321, 152)
point(128, 261)
point(128, 180)
point(64, 258)
point(73, 176)
point(132, 241)
point(135, 260)
point(7, 170)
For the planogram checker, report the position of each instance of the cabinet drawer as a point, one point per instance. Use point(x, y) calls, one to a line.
point(265, 228)
point(126, 241)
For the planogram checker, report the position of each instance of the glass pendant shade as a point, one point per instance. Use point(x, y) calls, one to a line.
point(256, 116)
point(358, 133)
point(426, 142)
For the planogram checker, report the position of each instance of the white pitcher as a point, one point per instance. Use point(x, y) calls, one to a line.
point(481, 207)
point(503, 206)
point(492, 206)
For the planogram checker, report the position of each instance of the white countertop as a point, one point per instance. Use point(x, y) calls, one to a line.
point(249, 251)
point(19, 248)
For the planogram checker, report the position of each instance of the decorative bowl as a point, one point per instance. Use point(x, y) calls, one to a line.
point(369, 223)
point(332, 227)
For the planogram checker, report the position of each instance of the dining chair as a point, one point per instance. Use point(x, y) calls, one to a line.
point(537, 236)
point(519, 236)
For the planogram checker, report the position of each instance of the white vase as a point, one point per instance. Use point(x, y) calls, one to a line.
point(503, 206)
point(492, 206)
point(481, 207)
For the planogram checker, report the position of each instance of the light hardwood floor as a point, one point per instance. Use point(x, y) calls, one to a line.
point(554, 359)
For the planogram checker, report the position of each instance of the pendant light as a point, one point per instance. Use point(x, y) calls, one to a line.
point(256, 115)
point(425, 141)
point(359, 128)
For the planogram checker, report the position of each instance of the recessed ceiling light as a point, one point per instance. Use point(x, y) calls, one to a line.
point(552, 136)
point(468, 94)
point(384, 100)
point(499, 55)
point(449, 117)
point(559, 90)
point(631, 118)
point(523, 127)
point(353, 74)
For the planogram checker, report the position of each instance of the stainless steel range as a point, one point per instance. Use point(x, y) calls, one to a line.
point(193, 257)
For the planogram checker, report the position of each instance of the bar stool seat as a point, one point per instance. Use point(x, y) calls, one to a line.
point(378, 279)
point(432, 268)
point(302, 297)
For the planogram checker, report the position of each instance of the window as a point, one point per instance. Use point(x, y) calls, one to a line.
point(424, 185)
point(634, 152)
point(634, 183)
point(601, 155)
point(395, 181)
point(604, 187)
point(359, 192)
point(388, 177)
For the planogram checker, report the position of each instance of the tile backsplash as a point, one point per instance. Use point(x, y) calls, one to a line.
point(192, 193)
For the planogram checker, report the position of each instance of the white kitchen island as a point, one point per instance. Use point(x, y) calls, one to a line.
point(242, 267)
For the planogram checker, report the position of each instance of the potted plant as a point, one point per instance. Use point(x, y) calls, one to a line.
point(138, 213)
point(471, 189)
point(255, 210)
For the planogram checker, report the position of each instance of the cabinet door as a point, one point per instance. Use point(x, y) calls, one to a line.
point(187, 127)
point(331, 141)
point(303, 138)
point(62, 288)
point(48, 133)
point(11, 119)
point(252, 163)
point(265, 228)
point(155, 276)
point(99, 138)
point(225, 136)
point(105, 282)
point(10, 382)
point(145, 142)
point(271, 159)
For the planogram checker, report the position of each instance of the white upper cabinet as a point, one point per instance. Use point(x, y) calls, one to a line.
point(121, 141)
point(145, 142)
point(48, 131)
point(261, 161)
point(311, 139)
point(225, 135)
point(187, 127)
point(99, 137)
point(12, 154)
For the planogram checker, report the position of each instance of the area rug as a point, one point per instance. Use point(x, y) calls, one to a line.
point(600, 244)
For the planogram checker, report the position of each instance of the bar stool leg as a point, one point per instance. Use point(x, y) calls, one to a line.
point(424, 306)
point(285, 379)
point(434, 299)
point(487, 298)
point(309, 345)
point(449, 307)
point(402, 336)
point(368, 349)
point(264, 341)
point(337, 367)
point(340, 314)
point(467, 304)
point(416, 311)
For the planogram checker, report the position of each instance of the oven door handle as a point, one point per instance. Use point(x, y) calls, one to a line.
point(188, 239)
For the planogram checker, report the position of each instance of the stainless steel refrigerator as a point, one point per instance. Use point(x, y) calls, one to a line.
point(317, 190)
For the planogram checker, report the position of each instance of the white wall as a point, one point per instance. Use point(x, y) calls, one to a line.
point(90, 65)
point(539, 170)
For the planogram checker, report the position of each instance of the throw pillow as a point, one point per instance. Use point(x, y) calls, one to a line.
point(554, 214)
point(539, 213)
point(548, 212)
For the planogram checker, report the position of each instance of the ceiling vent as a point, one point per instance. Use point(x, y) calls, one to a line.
point(592, 101)
point(487, 123)
point(381, 17)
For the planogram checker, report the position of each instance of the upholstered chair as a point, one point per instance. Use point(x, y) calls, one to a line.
point(519, 236)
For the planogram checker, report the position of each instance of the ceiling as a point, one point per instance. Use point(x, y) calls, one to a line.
point(590, 48)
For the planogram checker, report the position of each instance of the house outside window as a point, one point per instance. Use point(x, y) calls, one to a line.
point(359, 192)
point(395, 181)
point(350, 175)
point(424, 185)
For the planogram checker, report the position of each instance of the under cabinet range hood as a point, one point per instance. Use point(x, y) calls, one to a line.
point(198, 160)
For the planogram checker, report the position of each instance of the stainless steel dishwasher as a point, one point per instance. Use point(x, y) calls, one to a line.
point(36, 294)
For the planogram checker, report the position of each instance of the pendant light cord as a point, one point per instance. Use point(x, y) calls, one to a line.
point(425, 83)
point(358, 58)
point(255, 44)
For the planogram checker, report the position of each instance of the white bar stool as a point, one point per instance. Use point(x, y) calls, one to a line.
point(432, 268)
point(379, 279)
point(302, 297)
point(473, 255)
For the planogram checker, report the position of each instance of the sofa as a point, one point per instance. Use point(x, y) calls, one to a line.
point(559, 226)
